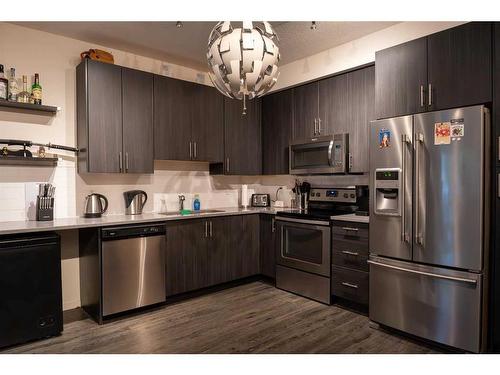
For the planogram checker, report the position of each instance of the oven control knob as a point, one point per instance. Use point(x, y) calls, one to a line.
point(353, 196)
point(346, 195)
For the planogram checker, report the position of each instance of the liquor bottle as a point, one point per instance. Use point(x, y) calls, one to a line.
point(13, 88)
point(24, 96)
point(4, 85)
point(36, 90)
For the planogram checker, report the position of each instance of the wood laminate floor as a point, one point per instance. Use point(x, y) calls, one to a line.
point(250, 318)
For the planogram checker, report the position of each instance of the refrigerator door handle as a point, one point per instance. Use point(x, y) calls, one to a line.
point(419, 139)
point(453, 278)
point(406, 141)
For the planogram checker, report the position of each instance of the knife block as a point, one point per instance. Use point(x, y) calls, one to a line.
point(44, 209)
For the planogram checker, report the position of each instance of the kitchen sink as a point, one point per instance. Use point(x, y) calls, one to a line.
point(200, 212)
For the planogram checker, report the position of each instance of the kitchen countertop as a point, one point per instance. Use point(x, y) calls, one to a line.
point(10, 227)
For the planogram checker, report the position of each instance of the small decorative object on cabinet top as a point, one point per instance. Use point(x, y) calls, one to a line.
point(243, 61)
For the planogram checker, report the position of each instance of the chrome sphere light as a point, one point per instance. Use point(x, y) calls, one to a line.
point(243, 61)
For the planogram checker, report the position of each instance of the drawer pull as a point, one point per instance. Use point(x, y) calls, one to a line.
point(350, 229)
point(350, 253)
point(349, 285)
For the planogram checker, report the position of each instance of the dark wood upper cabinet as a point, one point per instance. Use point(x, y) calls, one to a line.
point(444, 70)
point(459, 66)
point(242, 137)
point(99, 117)
point(361, 110)
point(172, 118)
point(334, 105)
point(306, 111)
point(188, 121)
point(496, 103)
point(208, 124)
point(277, 123)
point(346, 104)
point(137, 89)
point(401, 79)
point(114, 119)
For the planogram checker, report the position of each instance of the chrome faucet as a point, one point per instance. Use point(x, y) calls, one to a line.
point(182, 198)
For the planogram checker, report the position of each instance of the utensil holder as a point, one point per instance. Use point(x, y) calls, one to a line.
point(44, 209)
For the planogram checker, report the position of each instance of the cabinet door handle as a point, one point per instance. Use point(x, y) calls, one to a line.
point(120, 161)
point(315, 126)
point(349, 285)
point(498, 192)
point(273, 224)
point(499, 148)
point(211, 229)
point(353, 253)
point(421, 95)
point(190, 150)
point(227, 165)
point(126, 162)
point(206, 229)
point(319, 125)
point(195, 150)
point(430, 95)
point(350, 229)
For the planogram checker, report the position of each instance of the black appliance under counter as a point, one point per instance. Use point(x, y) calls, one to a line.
point(30, 287)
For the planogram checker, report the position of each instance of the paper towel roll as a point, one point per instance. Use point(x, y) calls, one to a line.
point(244, 195)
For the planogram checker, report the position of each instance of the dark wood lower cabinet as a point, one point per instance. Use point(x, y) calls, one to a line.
point(350, 271)
point(267, 246)
point(186, 257)
point(243, 231)
point(209, 251)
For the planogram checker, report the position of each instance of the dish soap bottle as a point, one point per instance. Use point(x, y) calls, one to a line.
point(196, 203)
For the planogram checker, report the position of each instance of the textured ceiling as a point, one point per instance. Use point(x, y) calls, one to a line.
point(187, 45)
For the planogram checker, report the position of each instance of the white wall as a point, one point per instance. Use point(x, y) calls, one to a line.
point(355, 53)
point(55, 58)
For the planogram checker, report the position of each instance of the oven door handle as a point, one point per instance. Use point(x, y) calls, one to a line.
point(303, 221)
point(330, 148)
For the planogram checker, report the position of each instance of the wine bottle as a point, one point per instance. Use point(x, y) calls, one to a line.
point(13, 88)
point(36, 90)
point(24, 96)
point(4, 85)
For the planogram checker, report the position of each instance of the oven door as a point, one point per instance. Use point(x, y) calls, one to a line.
point(304, 245)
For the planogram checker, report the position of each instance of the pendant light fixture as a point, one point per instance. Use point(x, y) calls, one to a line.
point(243, 59)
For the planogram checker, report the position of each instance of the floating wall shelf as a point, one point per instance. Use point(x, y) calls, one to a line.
point(4, 104)
point(28, 161)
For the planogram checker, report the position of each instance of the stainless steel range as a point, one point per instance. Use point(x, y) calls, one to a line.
point(304, 241)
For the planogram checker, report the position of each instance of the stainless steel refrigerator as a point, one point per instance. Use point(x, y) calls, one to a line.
point(429, 186)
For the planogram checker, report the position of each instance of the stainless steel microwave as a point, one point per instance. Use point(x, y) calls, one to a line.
point(321, 155)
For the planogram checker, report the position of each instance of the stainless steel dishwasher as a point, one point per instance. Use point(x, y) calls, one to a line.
point(133, 267)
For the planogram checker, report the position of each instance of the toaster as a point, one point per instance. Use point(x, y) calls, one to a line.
point(261, 200)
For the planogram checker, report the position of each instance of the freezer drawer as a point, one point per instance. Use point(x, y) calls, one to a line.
point(437, 304)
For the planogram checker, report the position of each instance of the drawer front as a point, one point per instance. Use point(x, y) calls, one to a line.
point(350, 246)
point(350, 284)
point(350, 231)
point(349, 259)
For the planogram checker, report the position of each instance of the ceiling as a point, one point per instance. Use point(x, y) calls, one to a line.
point(187, 45)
